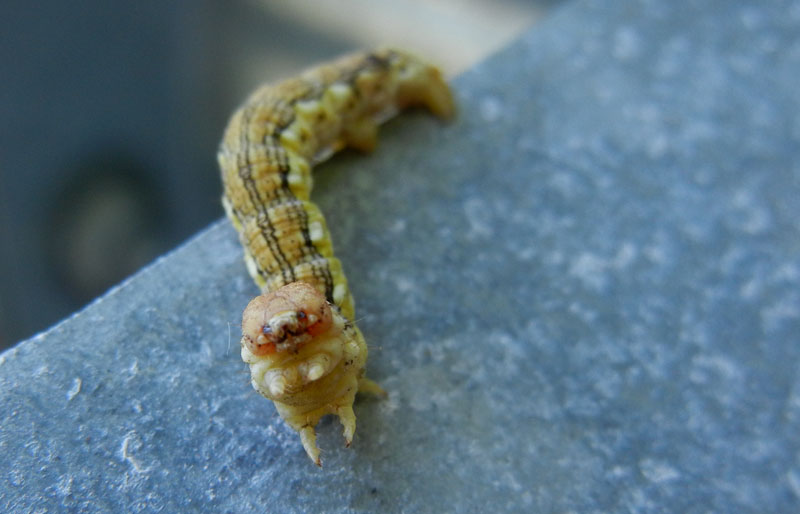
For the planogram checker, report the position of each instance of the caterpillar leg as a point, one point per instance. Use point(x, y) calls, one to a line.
point(429, 90)
point(309, 439)
point(348, 420)
point(362, 135)
point(345, 411)
point(366, 385)
point(439, 100)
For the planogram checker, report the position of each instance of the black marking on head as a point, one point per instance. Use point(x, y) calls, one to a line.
point(377, 61)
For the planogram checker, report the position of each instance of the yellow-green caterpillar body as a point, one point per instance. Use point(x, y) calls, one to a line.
point(299, 337)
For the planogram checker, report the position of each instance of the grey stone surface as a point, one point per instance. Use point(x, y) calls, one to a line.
point(583, 295)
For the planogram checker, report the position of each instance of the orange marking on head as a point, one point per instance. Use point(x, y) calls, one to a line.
point(285, 318)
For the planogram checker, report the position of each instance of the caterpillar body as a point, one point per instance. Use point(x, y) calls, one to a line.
point(299, 337)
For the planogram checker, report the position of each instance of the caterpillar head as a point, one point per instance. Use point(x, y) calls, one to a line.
point(285, 320)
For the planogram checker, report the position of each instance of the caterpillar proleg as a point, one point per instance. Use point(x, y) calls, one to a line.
point(299, 337)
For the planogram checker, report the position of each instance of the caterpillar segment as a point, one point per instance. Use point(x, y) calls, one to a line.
point(299, 337)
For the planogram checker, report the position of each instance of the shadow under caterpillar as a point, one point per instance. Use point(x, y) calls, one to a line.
point(299, 337)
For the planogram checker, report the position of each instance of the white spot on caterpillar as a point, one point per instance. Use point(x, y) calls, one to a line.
point(336, 97)
point(257, 371)
point(288, 128)
point(290, 138)
point(308, 109)
point(252, 267)
point(315, 231)
point(338, 293)
point(247, 356)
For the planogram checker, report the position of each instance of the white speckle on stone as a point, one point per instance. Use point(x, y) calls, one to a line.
point(477, 215)
point(703, 175)
point(742, 63)
point(64, 485)
point(510, 350)
point(657, 145)
point(757, 221)
point(753, 219)
point(751, 289)
point(398, 227)
point(787, 272)
point(526, 254)
point(775, 314)
point(130, 443)
point(75, 389)
point(697, 131)
point(618, 472)
point(704, 365)
point(585, 313)
point(658, 251)
point(698, 231)
point(404, 285)
point(649, 113)
point(627, 44)
point(793, 479)
point(526, 143)
point(625, 256)
point(564, 183)
point(671, 56)
point(591, 270)
point(16, 477)
point(793, 403)
point(137, 406)
point(554, 258)
point(658, 472)
point(491, 109)
point(390, 405)
point(751, 17)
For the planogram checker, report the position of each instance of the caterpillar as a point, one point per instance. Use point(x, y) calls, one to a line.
point(299, 337)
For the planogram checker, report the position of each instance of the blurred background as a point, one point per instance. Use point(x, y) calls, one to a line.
point(111, 112)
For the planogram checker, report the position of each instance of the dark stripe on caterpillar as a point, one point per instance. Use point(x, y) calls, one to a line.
point(299, 337)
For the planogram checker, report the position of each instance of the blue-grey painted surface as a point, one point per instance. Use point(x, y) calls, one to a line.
point(582, 296)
